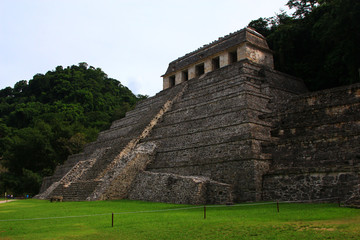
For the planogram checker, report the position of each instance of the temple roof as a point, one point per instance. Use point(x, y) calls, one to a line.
point(223, 43)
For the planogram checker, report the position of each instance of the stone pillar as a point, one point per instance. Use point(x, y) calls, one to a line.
point(166, 83)
point(241, 52)
point(178, 78)
point(191, 72)
point(207, 66)
point(224, 59)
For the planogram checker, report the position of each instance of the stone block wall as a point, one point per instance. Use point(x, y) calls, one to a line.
point(166, 187)
point(328, 186)
point(315, 147)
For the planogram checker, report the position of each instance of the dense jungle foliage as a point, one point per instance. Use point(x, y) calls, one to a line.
point(319, 42)
point(51, 116)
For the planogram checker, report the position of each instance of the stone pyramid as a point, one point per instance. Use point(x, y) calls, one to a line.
point(209, 137)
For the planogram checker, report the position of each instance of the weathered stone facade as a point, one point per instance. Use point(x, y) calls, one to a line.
point(234, 131)
point(315, 147)
point(241, 45)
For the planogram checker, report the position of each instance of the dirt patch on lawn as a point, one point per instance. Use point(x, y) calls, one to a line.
point(327, 225)
point(6, 201)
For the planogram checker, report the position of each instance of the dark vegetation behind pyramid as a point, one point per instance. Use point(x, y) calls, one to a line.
point(226, 128)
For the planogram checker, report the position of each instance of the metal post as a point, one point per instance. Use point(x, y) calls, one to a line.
point(204, 212)
point(112, 220)
point(277, 205)
point(339, 202)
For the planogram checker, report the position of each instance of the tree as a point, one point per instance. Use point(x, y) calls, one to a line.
point(6, 92)
point(319, 43)
point(51, 116)
point(302, 7)
point(261, 25)
point(20, 86)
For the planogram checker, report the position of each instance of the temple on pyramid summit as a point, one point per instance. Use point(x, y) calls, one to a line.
point(226, 128)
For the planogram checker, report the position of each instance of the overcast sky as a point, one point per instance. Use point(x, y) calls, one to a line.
point(132, 41)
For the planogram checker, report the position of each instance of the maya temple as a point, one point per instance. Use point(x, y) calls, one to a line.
point(226, 128)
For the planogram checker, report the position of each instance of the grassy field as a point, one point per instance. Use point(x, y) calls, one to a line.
point(246, 221)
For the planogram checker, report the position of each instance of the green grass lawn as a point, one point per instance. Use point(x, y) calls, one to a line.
point(246, 221)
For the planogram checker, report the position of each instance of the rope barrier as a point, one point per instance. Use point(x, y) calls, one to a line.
point(30, 219)
point(240, 205)
point(166, 210)
point(162, 210)
point(104, 214)
point(310, 201)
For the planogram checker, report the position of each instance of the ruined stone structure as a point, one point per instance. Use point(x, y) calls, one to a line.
point(244, 44)
point(226, 128)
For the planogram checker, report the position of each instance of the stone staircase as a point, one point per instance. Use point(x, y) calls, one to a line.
point(76, 191)
point(84, 172)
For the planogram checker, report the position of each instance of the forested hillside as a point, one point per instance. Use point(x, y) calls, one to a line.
point(51, 116)
point(319, 42)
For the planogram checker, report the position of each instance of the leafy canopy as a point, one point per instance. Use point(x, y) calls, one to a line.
point(319, 42)
point(51, 116)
